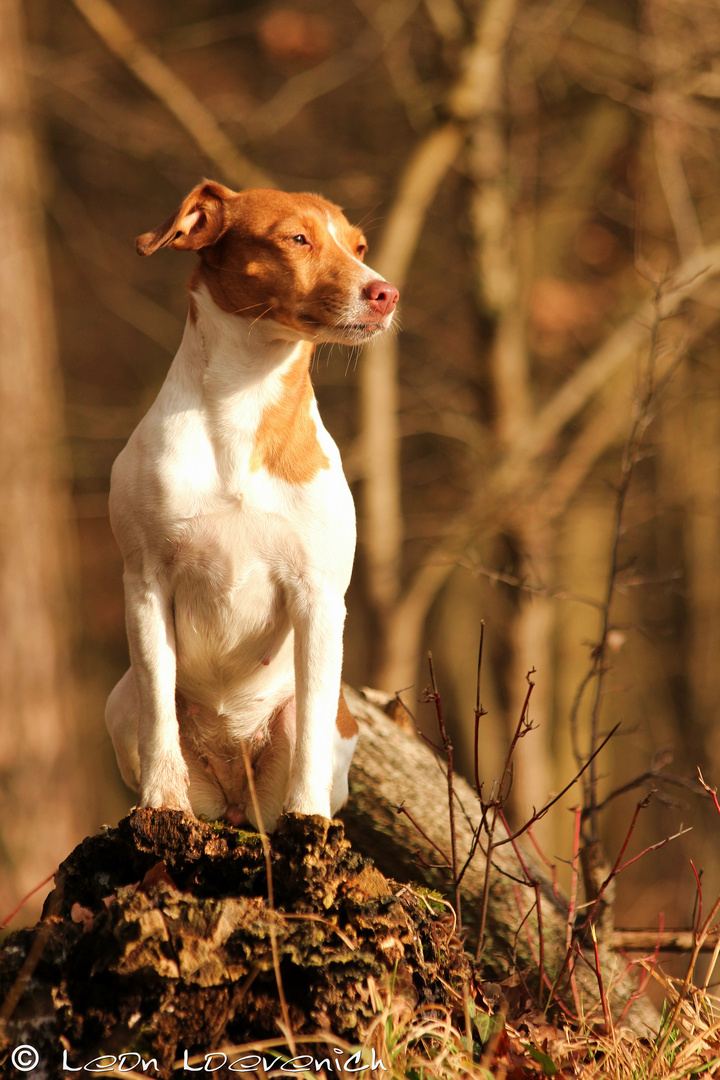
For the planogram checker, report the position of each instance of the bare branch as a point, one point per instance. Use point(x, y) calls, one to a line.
point(176, 96)
point(680, 941)
point(428, 165)
point(507, 485)
point(524, 586)
point(378, 375)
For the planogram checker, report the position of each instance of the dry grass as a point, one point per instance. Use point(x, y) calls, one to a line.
point(428, 1045)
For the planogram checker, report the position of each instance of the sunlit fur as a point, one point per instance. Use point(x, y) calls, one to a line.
point(235, 521)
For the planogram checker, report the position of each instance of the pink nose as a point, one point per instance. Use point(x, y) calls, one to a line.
point(382, 297)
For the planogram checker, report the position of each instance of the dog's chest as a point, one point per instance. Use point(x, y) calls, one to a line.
point(229, 604)
point(232, 566)
point(230, 545)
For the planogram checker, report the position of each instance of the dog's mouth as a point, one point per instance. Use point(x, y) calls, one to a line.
point(350, 333)
point(361, 330)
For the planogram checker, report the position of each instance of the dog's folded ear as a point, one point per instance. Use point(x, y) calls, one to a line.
point(198, 222)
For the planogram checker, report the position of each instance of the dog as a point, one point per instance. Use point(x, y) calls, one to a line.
point(236, 523)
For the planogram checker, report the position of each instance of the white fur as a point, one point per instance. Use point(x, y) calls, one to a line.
point(226, 568)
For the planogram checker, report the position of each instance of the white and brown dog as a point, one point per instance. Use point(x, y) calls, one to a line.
point(235, 520)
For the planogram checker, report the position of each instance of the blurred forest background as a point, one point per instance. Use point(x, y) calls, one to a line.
point(542, 182)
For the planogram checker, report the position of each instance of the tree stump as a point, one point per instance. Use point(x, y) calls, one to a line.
point(160, 940)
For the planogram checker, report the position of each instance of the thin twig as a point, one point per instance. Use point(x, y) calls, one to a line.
point(495, 806)
point(572, 906)
point(176, 96)
point(479, 711)
point(402, 810)
point(598, 972)
point(538, 814)
point(523, 586)
point(653, 847)
point(648, 964)
point(448, 750)
point(614, 871)
point(34, 955)
point(712, 792)
point(271, 897)
point(8, 919)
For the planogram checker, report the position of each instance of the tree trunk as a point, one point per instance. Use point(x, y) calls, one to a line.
point(36, 798)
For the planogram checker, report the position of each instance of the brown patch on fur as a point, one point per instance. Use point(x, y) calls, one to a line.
point(197, 222)
point(268, 254)
point(346, 723)
point(286, 442)
point(255, 267)
point(193, 310)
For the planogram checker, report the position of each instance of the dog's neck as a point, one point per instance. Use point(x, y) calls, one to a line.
point(256, 390)
point(238, 351)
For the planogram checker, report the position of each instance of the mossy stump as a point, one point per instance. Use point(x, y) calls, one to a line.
point(159, 939)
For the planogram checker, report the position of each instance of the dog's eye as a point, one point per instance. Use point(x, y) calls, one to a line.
point(300, 239)
point(361, 251)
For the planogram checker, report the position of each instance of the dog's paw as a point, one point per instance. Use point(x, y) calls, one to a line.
point(303, 801)
point(166, 787)
point(158, 800)
point(167, 800)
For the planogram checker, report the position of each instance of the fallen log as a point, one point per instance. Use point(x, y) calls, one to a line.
point(393, 767)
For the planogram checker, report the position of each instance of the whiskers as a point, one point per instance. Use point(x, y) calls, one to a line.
point(258, 318)
point(370, 218)
point(352, 360)
point(240, 310)
point(395, 326)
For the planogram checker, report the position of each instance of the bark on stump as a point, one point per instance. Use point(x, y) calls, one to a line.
point(160, 940)
point(159, 937)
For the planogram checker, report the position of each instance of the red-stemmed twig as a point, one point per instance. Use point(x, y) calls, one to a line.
point(402, 810)
point(479, 711)
point(491, 809)
point(535, 884)
point(539, 814)
point(613, 872)
point(601, 986)
point(649, 963)
point(572, 908)
point(28, 896)
point(434, 696)
point(712, 792)
point(550, 865)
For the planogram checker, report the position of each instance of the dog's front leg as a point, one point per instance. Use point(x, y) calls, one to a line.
point(151, 637)
point(318, 616)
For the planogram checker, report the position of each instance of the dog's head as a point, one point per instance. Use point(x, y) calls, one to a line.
point(291, 258)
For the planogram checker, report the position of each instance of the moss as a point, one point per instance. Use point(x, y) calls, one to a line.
point(166, 940)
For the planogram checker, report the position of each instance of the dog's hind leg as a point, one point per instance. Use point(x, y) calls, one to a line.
point(122, 715)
